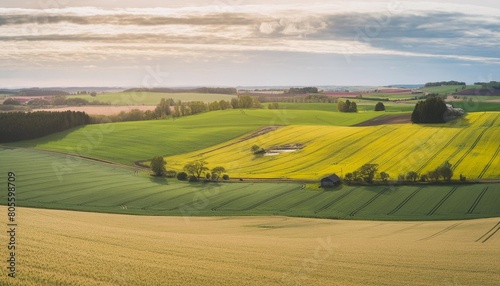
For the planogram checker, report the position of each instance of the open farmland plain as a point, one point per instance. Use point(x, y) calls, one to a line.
point(127, 142)
point(57, 181)
point(74, 248)
point(469, 144)
point(151, 98)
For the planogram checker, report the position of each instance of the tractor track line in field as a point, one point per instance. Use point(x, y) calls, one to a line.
point(442, 231)
point(148, 195)
point(190, 193)
point(169, 199)
point(269, 199)
point(368, 202)
point(333, 202)
point(476, 202)
point(478, 138)
point(489, 163)
point(406, 200)
point(230, 201)
point(396, 144)
point(441, 202)
point(302, 201)
point(399, 230)
point(211, 197)
point(426, 163)
point(489, 233)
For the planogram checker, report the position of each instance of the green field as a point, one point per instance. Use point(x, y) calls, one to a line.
point(152, 98)
point(363, 105)
point(56, 181)
point(128, 142)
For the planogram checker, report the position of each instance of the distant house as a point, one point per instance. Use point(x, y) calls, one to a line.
point(330, 181)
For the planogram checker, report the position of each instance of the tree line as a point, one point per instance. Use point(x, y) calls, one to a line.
point(368, 173)
point(302, 90)
point(440, 83)
point(489, 85)
point(193, 171)
point(210, 90)
point(17, 126)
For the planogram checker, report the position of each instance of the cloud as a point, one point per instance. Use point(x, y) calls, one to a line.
point(409, 29)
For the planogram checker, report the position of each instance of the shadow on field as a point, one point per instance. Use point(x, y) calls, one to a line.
point(159, 180)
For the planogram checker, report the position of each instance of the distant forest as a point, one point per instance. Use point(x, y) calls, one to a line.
point(17, 126)
point(440, 83)
point(214, 90)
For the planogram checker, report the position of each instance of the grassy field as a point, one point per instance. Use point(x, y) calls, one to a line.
point(131, 141)
point(152, 98)
point(73, 248)
point(469, 144)
point(51, 180)
point(363, 106)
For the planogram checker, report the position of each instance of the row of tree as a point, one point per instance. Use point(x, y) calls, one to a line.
point(367, 173)
point(440, 83)
point(211, 90)
point(193, 171)
point(17, 126)
point(489, 85)
point(302, 90)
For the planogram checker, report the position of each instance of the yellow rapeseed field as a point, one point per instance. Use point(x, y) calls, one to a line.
point(471, 145)
point(73, 248)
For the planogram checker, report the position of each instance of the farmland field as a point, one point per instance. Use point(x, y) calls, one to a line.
point(127, 142)
point(57, 181)
point(152, 98)
point(470, 145)
point(74, 248)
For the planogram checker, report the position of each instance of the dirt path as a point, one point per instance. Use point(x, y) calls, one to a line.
point(387, 119)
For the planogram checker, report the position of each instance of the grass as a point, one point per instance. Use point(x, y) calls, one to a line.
point(363, 106)
point(56, 181)
point(131, 141)
point(448, 89)
point(65, 248)
point(152, 98)
point(469, 144)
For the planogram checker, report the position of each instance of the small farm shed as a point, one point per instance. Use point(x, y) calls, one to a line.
point(330, 181)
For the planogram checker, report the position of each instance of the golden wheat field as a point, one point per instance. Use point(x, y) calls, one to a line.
point(73, 248)
point(470, 144)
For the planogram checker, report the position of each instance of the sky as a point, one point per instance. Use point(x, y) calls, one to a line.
point(153, 43)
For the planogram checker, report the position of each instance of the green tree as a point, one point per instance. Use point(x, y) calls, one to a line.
point(379, 106)
point(182, 176)
point(384, 176)
point(245, 101)
point(412, 176)
point(158, 165)
point(11, 101)
point(433, 175)
point(196, 168)
point(367, 172)
point(217, 171)
point(445, 171)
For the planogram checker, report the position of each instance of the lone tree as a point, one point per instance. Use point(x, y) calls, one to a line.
point(158, 166)
point(379, 106)
point(217, 172)
point(196, 168)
